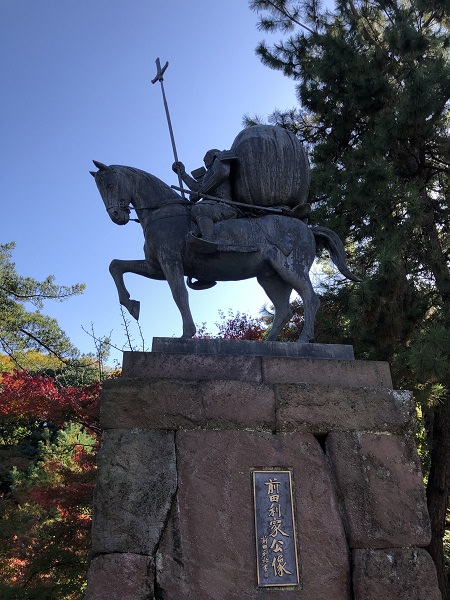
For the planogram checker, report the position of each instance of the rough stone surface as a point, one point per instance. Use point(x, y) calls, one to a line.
point(149, 365)
point(171, 405)
point(320, 409)
point(173, 502)
point(252, 348)
point(380, 489)
point(208, 549)
point(266, 369)
point(342, 373)
point(135, 486)
point(120, 577)
point(394, 574)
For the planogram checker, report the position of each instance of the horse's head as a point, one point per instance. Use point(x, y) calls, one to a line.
point(114, 190)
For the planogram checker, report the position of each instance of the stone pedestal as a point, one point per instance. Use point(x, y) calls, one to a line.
point(183, 430)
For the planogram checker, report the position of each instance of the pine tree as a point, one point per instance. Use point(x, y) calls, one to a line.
point(22, 329)
point(49, 434)
point(373, 89)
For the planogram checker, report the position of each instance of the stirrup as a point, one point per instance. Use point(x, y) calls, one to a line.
point(200, 284)
point(200, 245)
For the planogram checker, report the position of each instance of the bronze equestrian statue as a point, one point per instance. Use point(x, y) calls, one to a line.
point(269, 172)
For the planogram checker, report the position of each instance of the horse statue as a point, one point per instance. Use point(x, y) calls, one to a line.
point(278, 250)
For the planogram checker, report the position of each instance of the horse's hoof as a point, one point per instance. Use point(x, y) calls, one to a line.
point(188, 334)
point(134, 308)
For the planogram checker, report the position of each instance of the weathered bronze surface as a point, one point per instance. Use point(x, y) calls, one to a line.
point(275, 531)
point(278, 250)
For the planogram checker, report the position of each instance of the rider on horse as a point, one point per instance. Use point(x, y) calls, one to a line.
point(215, 180)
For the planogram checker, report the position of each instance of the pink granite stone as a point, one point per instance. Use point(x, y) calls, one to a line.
point(348, 373)
point(320, 409)
point(148, 365)
point(169, 404)
point(394, 574)
point(208, 549)
point(380, 488)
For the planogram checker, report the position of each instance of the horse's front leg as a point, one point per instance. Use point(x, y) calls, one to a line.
point(117, 268)
point(174, 274)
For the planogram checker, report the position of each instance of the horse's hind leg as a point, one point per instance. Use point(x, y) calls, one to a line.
point(311, 304)
point(117, 268)
point(279, 293)
point(299, 280)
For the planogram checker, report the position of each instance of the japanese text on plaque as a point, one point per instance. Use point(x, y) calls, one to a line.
point(276, 540)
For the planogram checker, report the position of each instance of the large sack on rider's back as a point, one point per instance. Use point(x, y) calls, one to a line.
point(272, 167)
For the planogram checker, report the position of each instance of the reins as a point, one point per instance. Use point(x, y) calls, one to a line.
point(122, 206)
point(158, 207)
point(165, 205)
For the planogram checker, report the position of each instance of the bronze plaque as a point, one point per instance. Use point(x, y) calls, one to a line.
point(276, 536)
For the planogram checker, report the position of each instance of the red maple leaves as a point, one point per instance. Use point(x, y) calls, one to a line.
point(23, 395)
point(46, 498)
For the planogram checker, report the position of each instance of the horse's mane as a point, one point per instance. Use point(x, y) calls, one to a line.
point(144, 181)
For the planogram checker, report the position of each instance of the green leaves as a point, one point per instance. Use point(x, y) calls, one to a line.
point(374, 92)
point(22, 324)
point(49, 436)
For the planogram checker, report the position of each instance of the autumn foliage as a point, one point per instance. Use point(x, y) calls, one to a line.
point(240, 327)
point(24, 394)
point(48, 440)
point(234, 326)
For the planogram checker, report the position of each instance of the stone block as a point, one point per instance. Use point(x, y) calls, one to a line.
point(269, 369)
point(150, 365)
point(135, 486)
point(380, 489)
point(173, 508)
point(208, 549)
point(342, 373)
point(394, 574)
point(120, 577)
point(320, 409)
point(221, 347)
point(171, 405)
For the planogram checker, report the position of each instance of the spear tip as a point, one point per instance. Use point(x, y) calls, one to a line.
point(159, 72)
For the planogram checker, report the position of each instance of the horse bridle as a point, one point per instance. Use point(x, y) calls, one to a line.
point(124, 205)
point(121, 205)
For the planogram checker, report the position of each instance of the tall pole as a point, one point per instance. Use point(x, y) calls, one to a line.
point(160, 77)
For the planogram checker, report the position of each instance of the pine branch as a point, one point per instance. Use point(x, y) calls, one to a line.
point(45, 346)
point(255, 5)
point(368, 31)
point(41, 296)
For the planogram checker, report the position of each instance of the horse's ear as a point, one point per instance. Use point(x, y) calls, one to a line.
point(93, 173)
point(101, 166)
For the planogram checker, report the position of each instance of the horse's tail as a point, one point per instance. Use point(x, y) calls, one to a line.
point(332, 242)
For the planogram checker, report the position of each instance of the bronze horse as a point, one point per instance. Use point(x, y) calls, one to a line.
point(278, 250)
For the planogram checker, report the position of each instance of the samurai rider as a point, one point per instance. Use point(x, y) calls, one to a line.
point(214, 180)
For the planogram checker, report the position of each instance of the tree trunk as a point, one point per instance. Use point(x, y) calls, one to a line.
point(438, 491)
point(439, 479)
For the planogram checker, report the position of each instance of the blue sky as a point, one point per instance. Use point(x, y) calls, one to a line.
point(76, 78)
